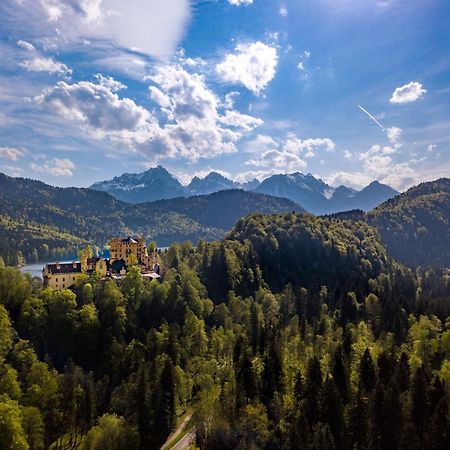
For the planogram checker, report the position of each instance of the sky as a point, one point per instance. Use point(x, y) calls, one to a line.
point(349, 90)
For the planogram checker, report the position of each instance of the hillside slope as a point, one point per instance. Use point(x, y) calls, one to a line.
point(415, 226)
point(70, 217)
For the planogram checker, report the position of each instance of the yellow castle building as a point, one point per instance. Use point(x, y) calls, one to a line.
point(61, 275)
point(130, 250)
point(124, 252)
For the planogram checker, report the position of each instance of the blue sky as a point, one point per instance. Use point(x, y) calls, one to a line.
point(348, 90)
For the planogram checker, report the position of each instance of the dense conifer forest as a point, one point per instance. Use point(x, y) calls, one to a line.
point(292, 332)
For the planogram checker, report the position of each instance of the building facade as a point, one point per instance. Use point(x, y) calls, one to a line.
point(64, 275)
point(125, 252)
point(130, 250)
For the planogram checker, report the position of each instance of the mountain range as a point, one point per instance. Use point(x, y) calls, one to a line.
point(414, 226)
point(313, 194)
point(34, 215)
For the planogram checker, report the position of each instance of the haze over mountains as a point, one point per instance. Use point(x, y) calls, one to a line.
point(311, 193)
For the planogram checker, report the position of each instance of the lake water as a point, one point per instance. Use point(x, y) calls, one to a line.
point(35, 270)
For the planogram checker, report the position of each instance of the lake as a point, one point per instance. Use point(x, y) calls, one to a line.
point(35, 270)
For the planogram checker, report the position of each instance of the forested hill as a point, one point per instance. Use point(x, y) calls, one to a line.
point(415, 225)
point(292, 332)
point(42, 221)
point(312, 252)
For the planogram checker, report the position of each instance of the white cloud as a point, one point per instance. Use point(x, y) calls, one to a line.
point(288, 154)
point(96, 105)
point(123, 62)
point(11, 153)
point(237, 120)
point(109, 83)
point(194, 127)
point(393, 135)
point(186, 177)
point(408, 93)
point(261, 144)
point(56, 167)
point(377, 163)
point(43, 64)
point(240, 2)
point(260, 175)
point(252, 65)
point(308, 146)
point(282, 160)
point(159, 97)
point(228, 102)
point(13, 171)
point(154, 28)
point(26, 45)
point(283, 11)
point(348, 154)
point(355, 180)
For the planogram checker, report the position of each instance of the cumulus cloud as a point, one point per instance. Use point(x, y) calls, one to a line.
point(288, 154)
point(240, 2)
point(195, 127)
point(260, 144)
point(252, 65)
point(153, 28)
point(11, 153)
point(43, 64)
point(96, 105)
point(56, 167)
point(408, 93)
point(283, 11)
point(279, 159)
point(189, 119)
point(394, 135)
point(378, 163)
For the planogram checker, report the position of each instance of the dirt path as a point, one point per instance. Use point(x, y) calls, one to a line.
point(183, 443)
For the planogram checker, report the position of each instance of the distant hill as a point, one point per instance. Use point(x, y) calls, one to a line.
point(311, 193)
point(415, 225)
point(33, 213)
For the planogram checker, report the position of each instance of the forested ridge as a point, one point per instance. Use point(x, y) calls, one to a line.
point(415, 225)
point(292, 332)
point(38, 221)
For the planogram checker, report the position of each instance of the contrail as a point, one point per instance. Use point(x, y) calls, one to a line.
point(370, 115)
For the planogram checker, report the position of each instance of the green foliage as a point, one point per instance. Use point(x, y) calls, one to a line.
point(111, 433)
point(416, 225)
point(293, 332)
point(41, 222)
